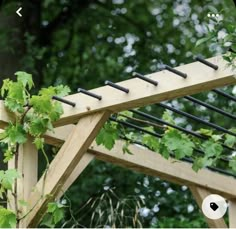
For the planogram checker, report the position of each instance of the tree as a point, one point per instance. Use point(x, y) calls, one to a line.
point(83, 43)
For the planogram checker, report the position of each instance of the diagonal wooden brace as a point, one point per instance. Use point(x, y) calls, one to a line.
point(62, 166)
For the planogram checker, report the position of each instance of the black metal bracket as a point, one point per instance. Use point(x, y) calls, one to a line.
point(177, 72)
point(89, 93)
point(142, 77)
point(207, 63)
point(118, 87)
point(63, 101)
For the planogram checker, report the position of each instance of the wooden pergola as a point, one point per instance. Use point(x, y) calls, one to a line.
point(78, 148)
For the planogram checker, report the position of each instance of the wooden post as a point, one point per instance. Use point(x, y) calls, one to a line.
point(199, 194)
point(64, 163)
point(232, 213)
point(28, 169)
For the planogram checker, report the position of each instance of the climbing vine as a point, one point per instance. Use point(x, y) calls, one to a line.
point(33, 116)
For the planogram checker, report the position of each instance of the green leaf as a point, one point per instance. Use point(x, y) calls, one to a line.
point(25, 78)
point(230, 140)
point(16, 133)
point(177, 142)
point(205, 132)
point(203, 40)
point(167, 116)
point(202, 162)
point(212, 149)
point(107, 136)
point(39, 143)
point(8, 177)
point(232, 164)
point(52, 207)
point(58, 215)
point(7, 219)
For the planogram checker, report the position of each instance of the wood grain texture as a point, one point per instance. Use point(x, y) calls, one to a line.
point(200, 78)
point(232, 213)
point(28, 168)
point(199, 194)
point(63, 165)
point(84, 162)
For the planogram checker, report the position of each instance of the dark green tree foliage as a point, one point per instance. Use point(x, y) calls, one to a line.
point(82, 43)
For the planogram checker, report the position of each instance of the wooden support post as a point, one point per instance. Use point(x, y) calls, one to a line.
point(232, 213)
point(28, 168)
point(63, 165)
point(199, 194)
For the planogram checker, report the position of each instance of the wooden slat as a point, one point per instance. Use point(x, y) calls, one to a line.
point(200, 78)
point(232, 213)
point(28, 168)
point(199, 194)
point(63, 165)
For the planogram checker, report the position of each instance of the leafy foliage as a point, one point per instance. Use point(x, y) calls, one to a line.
point(34, 115)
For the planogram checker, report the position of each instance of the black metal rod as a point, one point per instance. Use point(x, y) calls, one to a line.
point(231, 97)
point(135, 127)
point(126, 90)
point(89, 94)
point(216, 109)
point(177, 72)
point(153, 118)
point(219, 128)
point(64, 101)
point(142, 77)
point(209, 64)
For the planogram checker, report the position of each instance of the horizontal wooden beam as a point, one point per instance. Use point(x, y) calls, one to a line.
point(151, 163)
point(200, 78)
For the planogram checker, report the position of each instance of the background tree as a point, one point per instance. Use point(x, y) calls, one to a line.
point(81, 44)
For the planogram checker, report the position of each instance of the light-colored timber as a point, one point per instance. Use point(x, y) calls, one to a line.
point(63, 165)
point(199, 194)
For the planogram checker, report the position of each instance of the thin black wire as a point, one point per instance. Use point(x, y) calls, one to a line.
point(219, 128)
point(231, 97)
point(159, 136)
point(216, 109)
point(151, 117)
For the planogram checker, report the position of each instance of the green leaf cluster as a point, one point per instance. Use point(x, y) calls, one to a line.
point(7, 219)
point(55, 214)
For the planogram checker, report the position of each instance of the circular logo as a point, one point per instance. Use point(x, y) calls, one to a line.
point(214, 206)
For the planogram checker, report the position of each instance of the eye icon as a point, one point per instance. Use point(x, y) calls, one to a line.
point(214, 206)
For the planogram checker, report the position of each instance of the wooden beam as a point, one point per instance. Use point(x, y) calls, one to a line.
point(151, 163)
point(28, 168)
point(232, 213)
point(199, 194)
point(63, 165)
point(200, 78)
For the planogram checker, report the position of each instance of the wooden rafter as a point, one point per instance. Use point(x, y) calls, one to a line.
point(60, 169)
point(200, 78)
